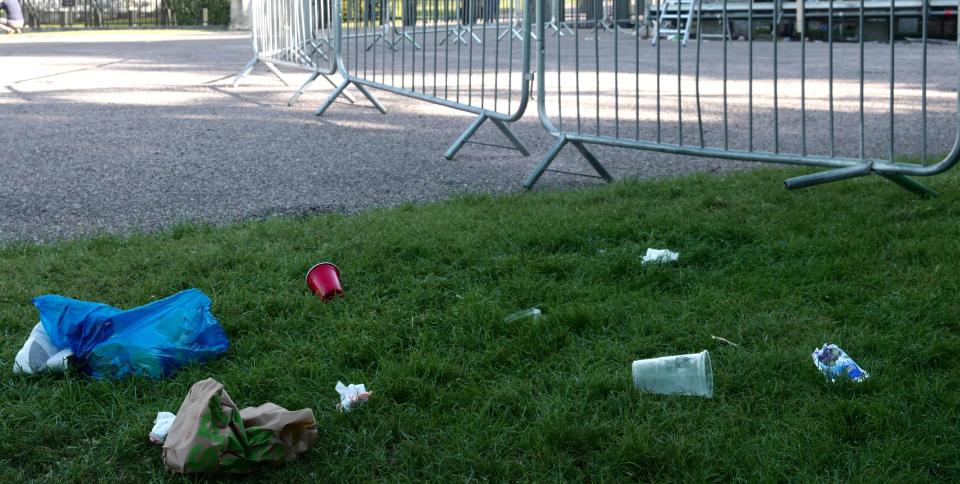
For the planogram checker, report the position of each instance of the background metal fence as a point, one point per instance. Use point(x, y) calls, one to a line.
point(69, 14)
point(469, 55)
point(295, 33)
point(855, 108)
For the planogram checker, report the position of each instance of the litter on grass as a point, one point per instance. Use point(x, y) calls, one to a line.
point(211, 435)
point(724, 340)
point(161, 427)
point(528, 313)
point(351, 396)
point(836, 364)
point(153, 340)
point(40, 355)
point(675, 375)
point(660, 256)
point(323, 280)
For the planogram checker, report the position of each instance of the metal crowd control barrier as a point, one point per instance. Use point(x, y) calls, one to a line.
point(293, 33)
point(461, 54)
point(883, 107)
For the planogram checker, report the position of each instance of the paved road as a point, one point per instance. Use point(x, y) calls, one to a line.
point(134, 131)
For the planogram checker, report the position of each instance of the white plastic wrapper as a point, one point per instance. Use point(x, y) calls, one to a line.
point(660, 256)
point(161, 426)
point(533, 313)
point(39, 354)
point(351, 395)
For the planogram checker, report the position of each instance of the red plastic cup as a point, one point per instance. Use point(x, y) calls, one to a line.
point(323, 280)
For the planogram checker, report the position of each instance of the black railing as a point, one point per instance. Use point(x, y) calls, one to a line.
point(72, 14)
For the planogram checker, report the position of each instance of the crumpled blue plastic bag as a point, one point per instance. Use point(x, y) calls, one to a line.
point(153, 340)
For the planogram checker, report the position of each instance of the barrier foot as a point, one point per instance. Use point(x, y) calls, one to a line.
point(370, 97)
point(510, 136)
point(332, 97)
point(912, 185)
point(341, 90)
point(303, 87)
point(276, 72)
point(346, 94)
point(594, 162)
point(552, 154)
point(464, 136)
point(545, 163)
point(822, 177)
point(246, 70)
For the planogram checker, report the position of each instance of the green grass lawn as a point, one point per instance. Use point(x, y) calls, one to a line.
point(461, 395)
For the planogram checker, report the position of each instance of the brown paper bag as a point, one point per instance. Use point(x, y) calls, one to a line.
point(210, 435)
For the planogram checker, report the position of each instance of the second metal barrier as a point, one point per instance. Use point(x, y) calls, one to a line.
point(854, 108)
point(295, 33)
point(469, 55)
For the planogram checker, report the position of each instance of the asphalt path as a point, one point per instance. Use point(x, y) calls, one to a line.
point(135, 131)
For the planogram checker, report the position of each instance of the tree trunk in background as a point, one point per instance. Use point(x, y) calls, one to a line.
point(239, 14)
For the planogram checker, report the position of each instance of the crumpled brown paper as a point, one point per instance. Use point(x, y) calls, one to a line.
point(210, 435)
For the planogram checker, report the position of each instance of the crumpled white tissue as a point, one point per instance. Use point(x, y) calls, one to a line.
point(161, 426)
point(351, 395)
point(660, 255)
point(39, 354)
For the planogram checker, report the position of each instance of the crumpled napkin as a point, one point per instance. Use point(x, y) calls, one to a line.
point(351, 395)
point(660, 255)
point(161, 427)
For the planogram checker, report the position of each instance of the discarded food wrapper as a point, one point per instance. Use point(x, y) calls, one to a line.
point(161, 426)
point(835, 363)
point(153, 340)
point(351, 395)
point(211, 435)
point(660, 255)
point(39, 354)
point(529, 313)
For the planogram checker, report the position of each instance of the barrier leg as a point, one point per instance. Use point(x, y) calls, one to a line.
point(464, 136)
point(276, 72)
point(399, 36)
point(819, 178)
point(332, 97)
point(510, 136)
point(313, 77)
point(545, 163)
point(911, 185)
point(552, 154)
point(594, 162)
point(370, 97)
point(472, 129)
point(346, 94)
point(296, 95)
point(854, 171)
point(246, 70)
point(340, 90)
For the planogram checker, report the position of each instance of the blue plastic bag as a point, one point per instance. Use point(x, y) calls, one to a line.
point(153, 340)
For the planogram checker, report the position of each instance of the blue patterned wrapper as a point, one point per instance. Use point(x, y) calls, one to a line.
point(836, 364)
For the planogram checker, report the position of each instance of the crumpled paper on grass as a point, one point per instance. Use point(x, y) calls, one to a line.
point(161, 427)
point(351, 395)
point(210, 435)
point(659, 256)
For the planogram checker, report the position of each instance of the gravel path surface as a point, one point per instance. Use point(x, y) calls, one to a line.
point(115, 132)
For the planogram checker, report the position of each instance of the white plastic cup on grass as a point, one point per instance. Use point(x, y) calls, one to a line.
point(675, 375)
